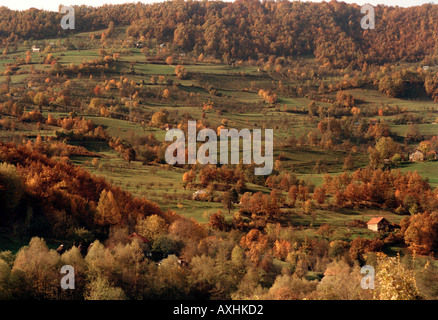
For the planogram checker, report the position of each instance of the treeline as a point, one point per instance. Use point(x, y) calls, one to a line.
point(251, 29)
point(403, 192)
point(40, 24)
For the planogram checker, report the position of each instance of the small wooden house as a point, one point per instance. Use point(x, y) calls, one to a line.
point(144, 243)
point(378, 224)
point(417, 156)
point(199, 195)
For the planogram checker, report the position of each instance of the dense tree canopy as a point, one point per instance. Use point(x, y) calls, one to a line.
point(250, 29)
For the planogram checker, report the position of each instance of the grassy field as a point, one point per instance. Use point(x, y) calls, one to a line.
point(428, 170)
point(238, 84)
point(427, 129)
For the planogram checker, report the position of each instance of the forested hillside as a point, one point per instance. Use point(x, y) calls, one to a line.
point(250, 29)
point(85, 181)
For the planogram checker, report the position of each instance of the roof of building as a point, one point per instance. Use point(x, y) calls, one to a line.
point(136, 235)
point(376, 220)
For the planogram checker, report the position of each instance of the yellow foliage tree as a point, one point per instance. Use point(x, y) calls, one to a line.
point(181, 72)
point(151, 227)
point(108, 212)
point(158, 118)
point(393, 280)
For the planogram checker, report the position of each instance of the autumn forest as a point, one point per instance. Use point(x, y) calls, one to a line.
point(84, 180)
